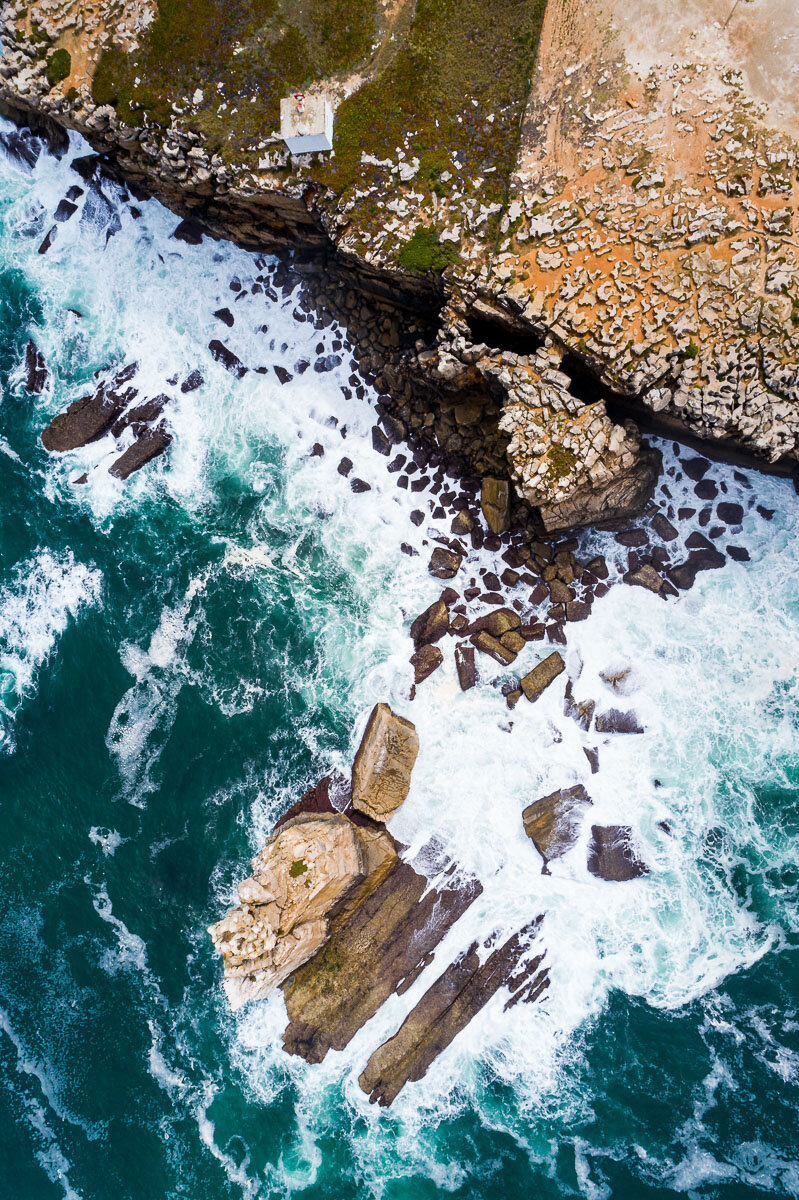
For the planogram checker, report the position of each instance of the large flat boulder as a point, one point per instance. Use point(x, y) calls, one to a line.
point(553, 822)
point(495, 503)
point(381, 773)
point(299, 877)
point(625, 495)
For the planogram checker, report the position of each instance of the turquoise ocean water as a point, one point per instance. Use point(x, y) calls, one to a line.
point(181, 655)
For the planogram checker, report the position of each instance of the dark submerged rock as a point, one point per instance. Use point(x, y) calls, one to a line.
point(611, 855)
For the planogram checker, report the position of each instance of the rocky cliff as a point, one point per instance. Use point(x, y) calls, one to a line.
point(602, 232)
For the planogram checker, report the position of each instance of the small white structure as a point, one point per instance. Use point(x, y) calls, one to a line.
point(306, 123)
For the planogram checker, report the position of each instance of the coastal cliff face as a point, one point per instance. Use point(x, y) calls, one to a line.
point(602, 232)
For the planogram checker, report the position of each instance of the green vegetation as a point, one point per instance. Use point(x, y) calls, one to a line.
point(692, 351)
point(297, 868)
point(257, 50)
point(561, 463)
point(59, 65)
point(425, 252)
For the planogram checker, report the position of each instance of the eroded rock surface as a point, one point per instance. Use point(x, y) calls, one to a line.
point(298, 878)
point(553, 822)
point(612, 854)
point(381, 773)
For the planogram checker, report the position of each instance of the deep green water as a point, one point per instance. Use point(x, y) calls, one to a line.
point(181, 656)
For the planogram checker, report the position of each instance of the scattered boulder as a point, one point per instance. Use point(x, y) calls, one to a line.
point(187, 230)
point(381, 773)
point(444, 564)
point(425, 661)
point(611, 854)
point(192, 381)
point(302, 873)
point(225, 316)
point(495, 503)
point(537, 680)
point(497, 623)
point(431, 625)
point(646, 577)
point(664, 528)
point(465, 666)
point(487, 644)
point(729, 513)
point(64, 210)
point(616, 721)
point(581, 711)
point(36, 373)
point(221, 354)
point(553, 822)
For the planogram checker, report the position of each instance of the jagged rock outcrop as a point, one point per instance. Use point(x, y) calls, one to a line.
point(381, 772)
point(301, 874)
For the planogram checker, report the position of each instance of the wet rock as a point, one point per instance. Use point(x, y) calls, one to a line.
point(360, 485)
point(431, 625)
point(581, 711)
point(283, 375)
point(221, 354)
point(187, 230)
point(616, 721)
point(448, 1006)
point(729, 513)
point(444, 564)
point(611, 854)
point(495, 503)
point(140, 414)
point(35, 369)
point(49, 239)
point(21, 147)
point(497, 623)
point(553, 822)
point(541, 676)
point(706, 489)
point(91, 417)
point(646, 577)
point(425, 661)
point(663, 527)
point(192, 381)
point(225, 316)
point(64, 210)
point(632, 537)
point(328, 363)
point(381, 773)
point(465, 666)
point(377, 948)
point(379, 441)
point(592, 754)
point(344, 467)
point(598, 567)
point(578, 610)
point(486, 643)
point(695, 468)
point(462, 523)
point(738, 553)
point(301, 874)
point(148, 445)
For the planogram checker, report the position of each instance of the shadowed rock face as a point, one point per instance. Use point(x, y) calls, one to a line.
point(376, 951)
point(447, 1008)
point(148, 445)
point(611, 854)
point(553, 822)
point(35, 369)
point(381, 773)
point(626, 495)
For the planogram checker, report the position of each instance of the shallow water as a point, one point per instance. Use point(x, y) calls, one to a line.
point(181, 655)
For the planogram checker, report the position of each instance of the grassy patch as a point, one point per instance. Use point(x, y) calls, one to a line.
point(297, 868)
point(258, 50)
point(425, 252)
point(59, 65)
point(561, 463)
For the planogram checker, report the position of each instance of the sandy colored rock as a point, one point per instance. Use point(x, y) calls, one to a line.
point(431, 625)
point(299, 877)
point(381, 773)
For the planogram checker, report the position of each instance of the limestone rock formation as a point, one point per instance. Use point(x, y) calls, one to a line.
point(381, 773)
point(553, 822)
point(300, 875)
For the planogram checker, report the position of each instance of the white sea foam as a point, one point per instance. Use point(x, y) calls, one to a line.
point(713, 679)
point(36, 605)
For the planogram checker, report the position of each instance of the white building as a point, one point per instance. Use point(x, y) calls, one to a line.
point(306, 123)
